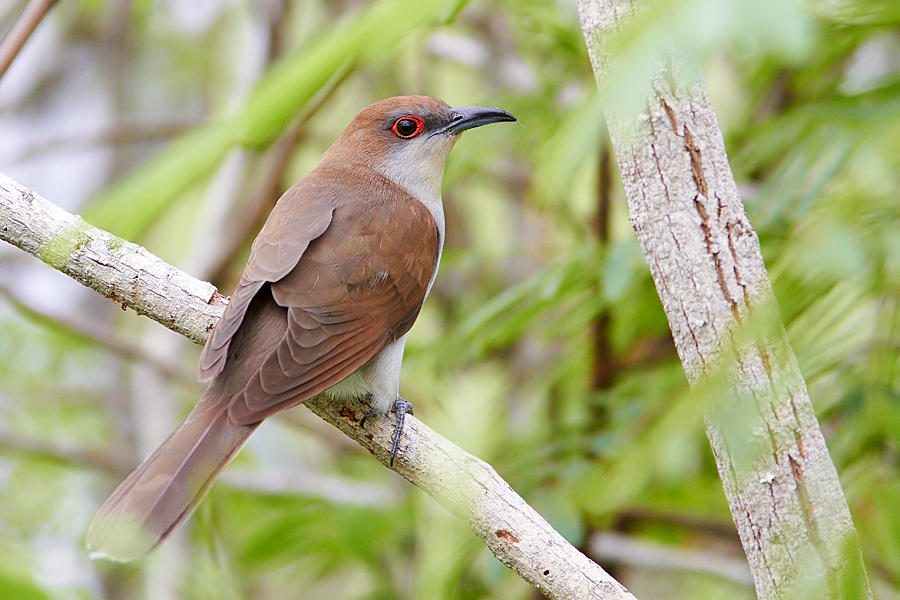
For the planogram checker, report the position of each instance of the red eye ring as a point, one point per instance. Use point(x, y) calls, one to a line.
point(408, 126)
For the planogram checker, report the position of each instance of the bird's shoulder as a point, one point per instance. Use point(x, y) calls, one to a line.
point(380, 241)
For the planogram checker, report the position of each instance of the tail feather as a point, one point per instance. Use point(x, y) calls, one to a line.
point(166, 488)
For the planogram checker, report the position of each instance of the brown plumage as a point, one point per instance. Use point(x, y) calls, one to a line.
point(336, 277)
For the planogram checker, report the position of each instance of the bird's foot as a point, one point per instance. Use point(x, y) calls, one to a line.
point(402, 408)
point(369, 413)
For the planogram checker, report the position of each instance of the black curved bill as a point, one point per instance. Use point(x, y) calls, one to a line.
point(474, 116)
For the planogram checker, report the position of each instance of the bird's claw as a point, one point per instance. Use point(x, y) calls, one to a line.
point(370, 413)
point(402, 408)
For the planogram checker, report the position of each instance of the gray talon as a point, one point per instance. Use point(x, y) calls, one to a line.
point(401, 407)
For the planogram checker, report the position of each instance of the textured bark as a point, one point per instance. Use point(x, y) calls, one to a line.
point(781, 484)
point(123, 272)
point(466, 486)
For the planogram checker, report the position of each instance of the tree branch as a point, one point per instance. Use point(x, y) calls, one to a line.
point(22, 30)
point(627, 550)
point(781, 484)
point(101, 336)
point(121, 271)
point(117, 461)
point(465, 485)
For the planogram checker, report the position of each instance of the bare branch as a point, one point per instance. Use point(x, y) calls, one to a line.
point(116, 461)
point(31, 17)
point(117, 135)
point(297, 480)
point(123, 272)
point(622, 549)
point(101, 336)
point(468, 487)
point(306, 482)
point(252, 214)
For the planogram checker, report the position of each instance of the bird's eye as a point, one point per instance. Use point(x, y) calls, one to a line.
point(408, 127)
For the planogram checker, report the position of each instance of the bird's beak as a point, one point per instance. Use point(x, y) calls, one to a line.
point(473, 116)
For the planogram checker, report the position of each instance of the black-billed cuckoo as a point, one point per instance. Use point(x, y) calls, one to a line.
point(334, 282)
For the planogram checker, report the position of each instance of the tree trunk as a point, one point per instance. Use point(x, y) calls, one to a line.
point(781, 484)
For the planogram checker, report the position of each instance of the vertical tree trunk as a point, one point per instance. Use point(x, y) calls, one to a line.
point(704, 256)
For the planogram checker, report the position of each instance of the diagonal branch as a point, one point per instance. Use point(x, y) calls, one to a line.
point(100, 336)
point(12, 44)
point(466, 486)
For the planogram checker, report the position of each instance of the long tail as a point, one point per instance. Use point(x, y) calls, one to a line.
point(166, 488)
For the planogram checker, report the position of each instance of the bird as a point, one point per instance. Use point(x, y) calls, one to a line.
point(335, 279)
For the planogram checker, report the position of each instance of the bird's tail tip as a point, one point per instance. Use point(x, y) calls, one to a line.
point(117, 539)
point(103, 555)
point(164, 490)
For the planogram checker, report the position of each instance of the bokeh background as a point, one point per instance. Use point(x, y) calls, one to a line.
point(543, 348)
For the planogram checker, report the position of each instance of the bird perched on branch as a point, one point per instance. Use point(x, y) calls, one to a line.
point(334, 282)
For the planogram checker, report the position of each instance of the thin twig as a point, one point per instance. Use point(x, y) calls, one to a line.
point(117, 135)
point(96, 334)
point(299, 480)
point(253, 214)
point(116, 462)
point(31, 17)
point(643, 554)
point(628, 519)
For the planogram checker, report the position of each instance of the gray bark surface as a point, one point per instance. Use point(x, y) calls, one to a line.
point(123, 272)
point(782, 487)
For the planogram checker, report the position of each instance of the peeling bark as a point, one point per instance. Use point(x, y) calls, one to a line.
point(782, 487)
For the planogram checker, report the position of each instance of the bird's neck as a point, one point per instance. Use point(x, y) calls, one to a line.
point(422, 180)
point(426, 188)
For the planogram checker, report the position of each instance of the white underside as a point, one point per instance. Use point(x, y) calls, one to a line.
point(380, 377)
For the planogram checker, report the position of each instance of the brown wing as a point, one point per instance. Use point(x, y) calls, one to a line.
point(336, 307)
point(301, 215)
point(346, 298)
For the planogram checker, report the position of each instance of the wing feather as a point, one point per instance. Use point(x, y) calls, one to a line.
point(300, 216)
point(342, 292)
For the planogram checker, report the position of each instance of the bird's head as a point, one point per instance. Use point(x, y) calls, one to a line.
point(408, 138)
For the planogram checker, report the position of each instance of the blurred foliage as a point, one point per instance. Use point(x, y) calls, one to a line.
point(531, 306)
